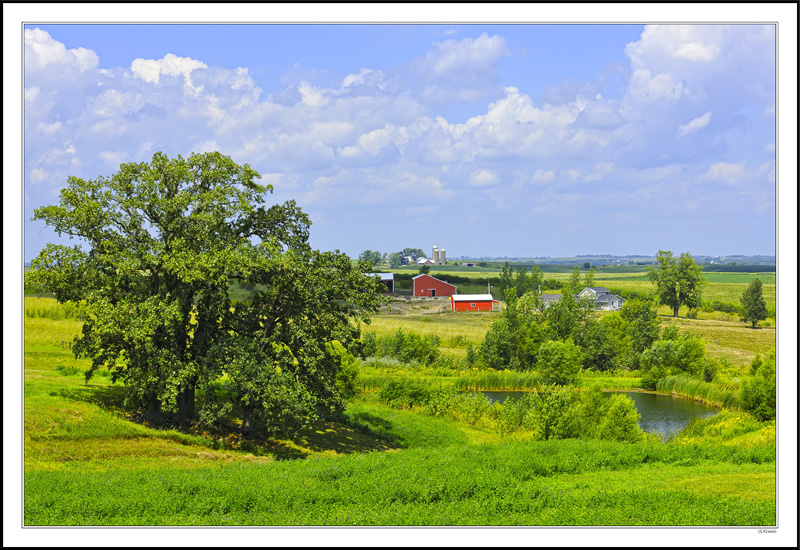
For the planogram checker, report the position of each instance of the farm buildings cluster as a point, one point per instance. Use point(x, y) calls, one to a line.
point(426, 286)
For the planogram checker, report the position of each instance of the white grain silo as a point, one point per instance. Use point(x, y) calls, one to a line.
point(442, 257)
point(435, 255)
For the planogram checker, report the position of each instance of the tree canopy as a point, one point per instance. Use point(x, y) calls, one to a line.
point(678, 280)
point(755, 309)
point(161, 243)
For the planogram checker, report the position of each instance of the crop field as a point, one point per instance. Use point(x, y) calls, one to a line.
point(87, 461)
point(455, 330)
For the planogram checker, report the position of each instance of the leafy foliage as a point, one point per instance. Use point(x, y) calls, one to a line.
point(559, 362)
point(513, 340)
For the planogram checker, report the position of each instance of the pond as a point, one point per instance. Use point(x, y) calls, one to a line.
point(661, 414)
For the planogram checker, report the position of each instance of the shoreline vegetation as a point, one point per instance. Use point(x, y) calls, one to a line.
point(409, 449)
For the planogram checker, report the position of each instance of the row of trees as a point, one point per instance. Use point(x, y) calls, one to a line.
point(161, 243)
point(523, 282)
point(565, 337)
point(394, 259)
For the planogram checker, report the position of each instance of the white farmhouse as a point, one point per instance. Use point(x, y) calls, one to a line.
point(603, 299)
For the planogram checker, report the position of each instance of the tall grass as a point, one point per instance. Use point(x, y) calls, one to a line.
point(712, 393)
point(49, 308)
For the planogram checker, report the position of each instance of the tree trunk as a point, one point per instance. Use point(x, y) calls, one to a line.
point(676, 308)
point(186, 402)
point(152, 412)
point(247, 421)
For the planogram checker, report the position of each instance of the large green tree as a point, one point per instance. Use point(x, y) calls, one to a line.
point(678, 280)
point(395, 259)
point(755, 309)
point(161, 243)
point(374, 257)
point(414, 253)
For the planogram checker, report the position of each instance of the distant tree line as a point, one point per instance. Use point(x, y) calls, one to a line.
point(393, 259)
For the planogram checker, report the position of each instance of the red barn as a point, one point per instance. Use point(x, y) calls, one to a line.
point(474, 302)
point(425, 285)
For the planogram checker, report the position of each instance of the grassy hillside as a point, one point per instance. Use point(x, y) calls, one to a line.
point(89, 462)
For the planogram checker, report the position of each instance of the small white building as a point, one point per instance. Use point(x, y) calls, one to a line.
point(602, 297)
point(548, 299)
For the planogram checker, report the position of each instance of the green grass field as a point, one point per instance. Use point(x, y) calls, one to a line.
point(88, 462)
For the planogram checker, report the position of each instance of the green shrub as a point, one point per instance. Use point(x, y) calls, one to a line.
point(651, 377)
point(404, 393)
point(447, 364)
point(408, 347)
point(621, 422)
point(441, 401)
point(552, 418)
point(369, 344)
point(710, 369)
point(472, 357)
point(757, 394)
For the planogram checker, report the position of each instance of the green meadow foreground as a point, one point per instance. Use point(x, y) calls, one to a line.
point(89, 462)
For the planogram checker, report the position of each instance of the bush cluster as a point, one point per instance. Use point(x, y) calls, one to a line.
point(557, 412)
point(551, 412)
point(403, 393)
point(724, 307)
point(757, 394)
point(405, 347)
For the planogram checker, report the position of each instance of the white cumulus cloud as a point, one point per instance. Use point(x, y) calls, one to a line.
point(483, 178)
point(726, 172)
point(695, 124)
point(42, 51)
point(150, 70)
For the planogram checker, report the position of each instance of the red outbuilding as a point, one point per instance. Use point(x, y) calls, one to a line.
point(425, 285)
point(474, 302)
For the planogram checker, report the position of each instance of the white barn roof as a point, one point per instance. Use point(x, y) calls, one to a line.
point(473, 298)
point(383, 276)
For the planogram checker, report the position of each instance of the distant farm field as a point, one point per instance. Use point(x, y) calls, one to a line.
point(723, 287)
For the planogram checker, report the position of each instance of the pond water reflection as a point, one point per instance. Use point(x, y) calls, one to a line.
point(662, 414)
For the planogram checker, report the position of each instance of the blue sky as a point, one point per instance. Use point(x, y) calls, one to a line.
point(485, 140)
